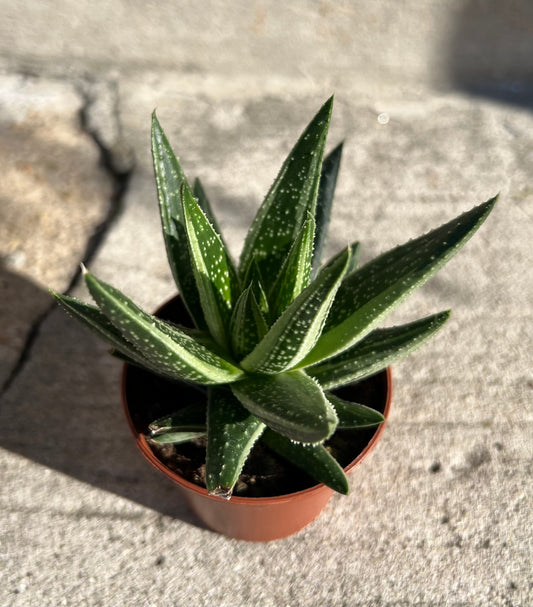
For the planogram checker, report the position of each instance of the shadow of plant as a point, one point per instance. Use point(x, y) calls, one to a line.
point(63, 411)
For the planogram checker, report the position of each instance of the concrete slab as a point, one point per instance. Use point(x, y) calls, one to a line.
point(53, 195)
point(439, 514)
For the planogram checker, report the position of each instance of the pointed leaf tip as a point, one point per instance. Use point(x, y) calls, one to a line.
point(293, 192)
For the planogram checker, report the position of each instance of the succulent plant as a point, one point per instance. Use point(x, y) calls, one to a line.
point(275, 334)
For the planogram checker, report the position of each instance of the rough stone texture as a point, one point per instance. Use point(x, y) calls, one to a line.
point(53, 194)
point(440, 513)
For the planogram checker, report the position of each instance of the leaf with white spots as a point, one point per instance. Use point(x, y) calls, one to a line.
point(370, 293)
point(232, 432)
point(354, 259)
point(326, 192)
point(216, 279)
point(291, 403)
point(205, 205)
point(295, 272)
point(291, 196)
point(376, 351)
point(169, 178)
point(164, 346)
point(92, 318)
point(316, 460)
point(248, 325)
point(253, 277)
point(354, 415)
point(297, 330)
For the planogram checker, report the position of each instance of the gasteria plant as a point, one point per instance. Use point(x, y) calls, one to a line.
point(275, 334)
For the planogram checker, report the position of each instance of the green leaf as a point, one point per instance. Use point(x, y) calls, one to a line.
point(189, 418)
point(370, 293)
point(92, 318)
point(354, 259)
point(313, 459)
point(205, 205)
point(326, 192)
point(215, 276)
point(296, 270)
point(354, 415)
point(248, 325)
point(176, 437)
point(169, 178)
point(378, 350)
point(253, 277)
point(290, 403)
point(232, 432)
point(168, 348)
point(292, 195)
point(296, 331)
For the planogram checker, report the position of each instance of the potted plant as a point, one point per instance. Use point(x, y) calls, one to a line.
point(269, 360)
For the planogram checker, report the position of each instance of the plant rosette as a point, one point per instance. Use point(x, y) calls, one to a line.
point(273, 338)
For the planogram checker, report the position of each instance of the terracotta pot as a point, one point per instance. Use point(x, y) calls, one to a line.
point(254, 518)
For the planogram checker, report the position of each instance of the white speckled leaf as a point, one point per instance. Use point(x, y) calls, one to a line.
point(247, 325)
point(371, 292)
point(316, 460)
point(215, 276)
point(232, 432)
point(253, 277)
point(169, 178)
point(297, 330)
point(354, 259)
point(354, 415)
point(92, 318)
point(292, 195)
point(205, 205)
point(290, 403)
point(163, 345)
point(326, 192)
point(296, 270)
point(376, 351)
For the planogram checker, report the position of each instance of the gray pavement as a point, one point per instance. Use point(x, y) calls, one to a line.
point(435, 120)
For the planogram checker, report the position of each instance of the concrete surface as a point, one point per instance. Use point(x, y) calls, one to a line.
point(441, 512)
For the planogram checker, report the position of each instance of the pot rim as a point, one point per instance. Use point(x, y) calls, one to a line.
point(143, 446)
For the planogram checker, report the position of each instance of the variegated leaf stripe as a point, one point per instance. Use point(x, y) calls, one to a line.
point(354, 415)
point(169, 178)
point(92, 318)
point(248, 325)
point(216, 279)
point(296, 331)
point(376, 351)
point(292, 194)
point(290, 403)
point(371, 292)
point(164, 346)
point(313, 459)
point(326, 192)
point(232, 432)
point(295, 272)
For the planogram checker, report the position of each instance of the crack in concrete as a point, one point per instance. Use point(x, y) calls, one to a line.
point(99, 118)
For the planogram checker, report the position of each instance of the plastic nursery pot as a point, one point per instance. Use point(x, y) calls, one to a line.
point(246, 518)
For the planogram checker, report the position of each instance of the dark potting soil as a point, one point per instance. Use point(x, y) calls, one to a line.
point(265, 473)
